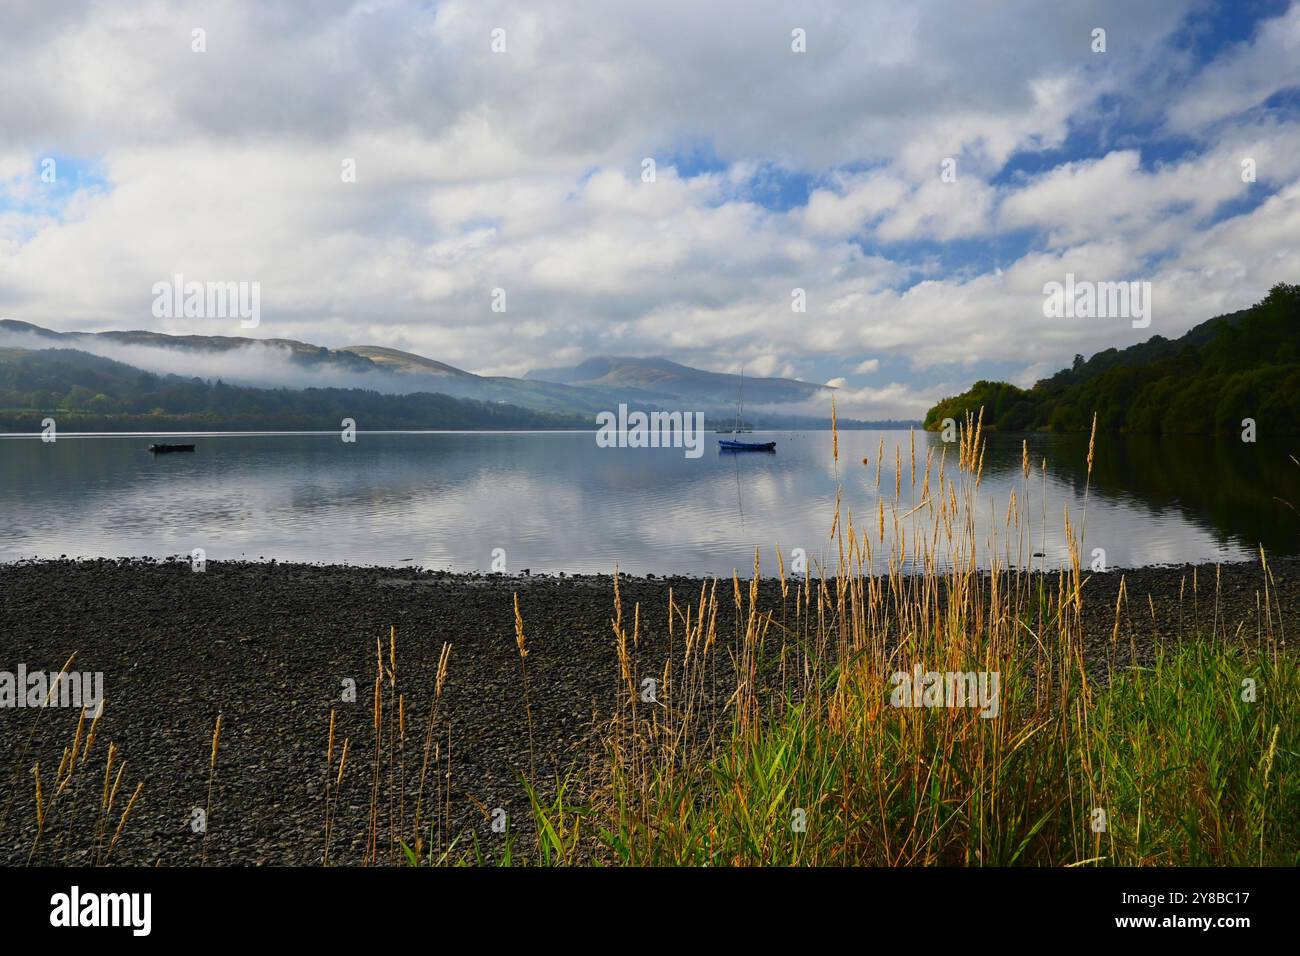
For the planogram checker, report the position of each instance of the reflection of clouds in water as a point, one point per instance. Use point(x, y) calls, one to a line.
point(553, 502)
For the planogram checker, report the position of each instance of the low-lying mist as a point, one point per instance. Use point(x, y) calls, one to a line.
point(257, 364)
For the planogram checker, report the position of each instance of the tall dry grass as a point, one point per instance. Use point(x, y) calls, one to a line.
point(56, 798)
point(1100, 753)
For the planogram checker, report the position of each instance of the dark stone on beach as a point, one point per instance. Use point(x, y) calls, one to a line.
point(269, 646)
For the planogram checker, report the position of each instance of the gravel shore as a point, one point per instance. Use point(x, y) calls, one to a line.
point(269, 647)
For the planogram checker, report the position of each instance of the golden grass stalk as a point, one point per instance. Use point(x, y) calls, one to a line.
point(40, 806)
point(212, 776)
point(27, 744)
point(332, 808)
point(126, 813)
point(523, 670)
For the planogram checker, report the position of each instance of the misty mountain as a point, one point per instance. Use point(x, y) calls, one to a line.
point(300, 353)
point(405, 363)
point(281, 363)
point(578, 393)
point(85, 392)
point(659, 376)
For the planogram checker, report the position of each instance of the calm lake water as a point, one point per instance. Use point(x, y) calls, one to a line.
point(554, 501)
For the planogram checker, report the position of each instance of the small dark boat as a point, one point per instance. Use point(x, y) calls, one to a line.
point(161, 449)
point(728, 445)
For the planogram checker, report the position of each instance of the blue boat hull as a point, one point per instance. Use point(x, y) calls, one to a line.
point(728, 445)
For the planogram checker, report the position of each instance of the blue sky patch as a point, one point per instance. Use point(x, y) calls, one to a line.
point(54, 179)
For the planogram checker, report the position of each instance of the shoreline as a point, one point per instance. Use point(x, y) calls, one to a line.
point(269, 646)
point(182, 561)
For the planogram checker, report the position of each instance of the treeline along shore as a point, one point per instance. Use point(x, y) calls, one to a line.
point(1235, 374)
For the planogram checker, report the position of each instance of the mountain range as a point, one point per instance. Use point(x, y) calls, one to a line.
point(560, 396)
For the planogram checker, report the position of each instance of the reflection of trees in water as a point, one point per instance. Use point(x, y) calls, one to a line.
point(1238, 489)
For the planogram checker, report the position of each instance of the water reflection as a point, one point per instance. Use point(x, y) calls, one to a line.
point(555, 501)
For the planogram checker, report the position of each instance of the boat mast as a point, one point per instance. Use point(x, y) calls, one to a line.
point(740, 400)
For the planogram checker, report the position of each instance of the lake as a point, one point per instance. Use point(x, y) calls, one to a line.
point(554, 501)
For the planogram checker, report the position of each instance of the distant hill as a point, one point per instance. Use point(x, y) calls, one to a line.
point(288, 362)
point(85, 392)
point(1242, 365)
point(660, 376)
point(564, 394)
point(300, 352)
point(389, 369)
point(405, 363)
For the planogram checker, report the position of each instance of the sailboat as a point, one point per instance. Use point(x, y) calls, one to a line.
point(726, 444)
point(739, 427)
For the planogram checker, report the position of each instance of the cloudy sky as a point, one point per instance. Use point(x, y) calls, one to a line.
point(523, 169)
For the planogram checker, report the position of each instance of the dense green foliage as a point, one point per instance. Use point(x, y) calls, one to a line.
point(1191, 776)
point(1238, 366)
point(85, 392)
